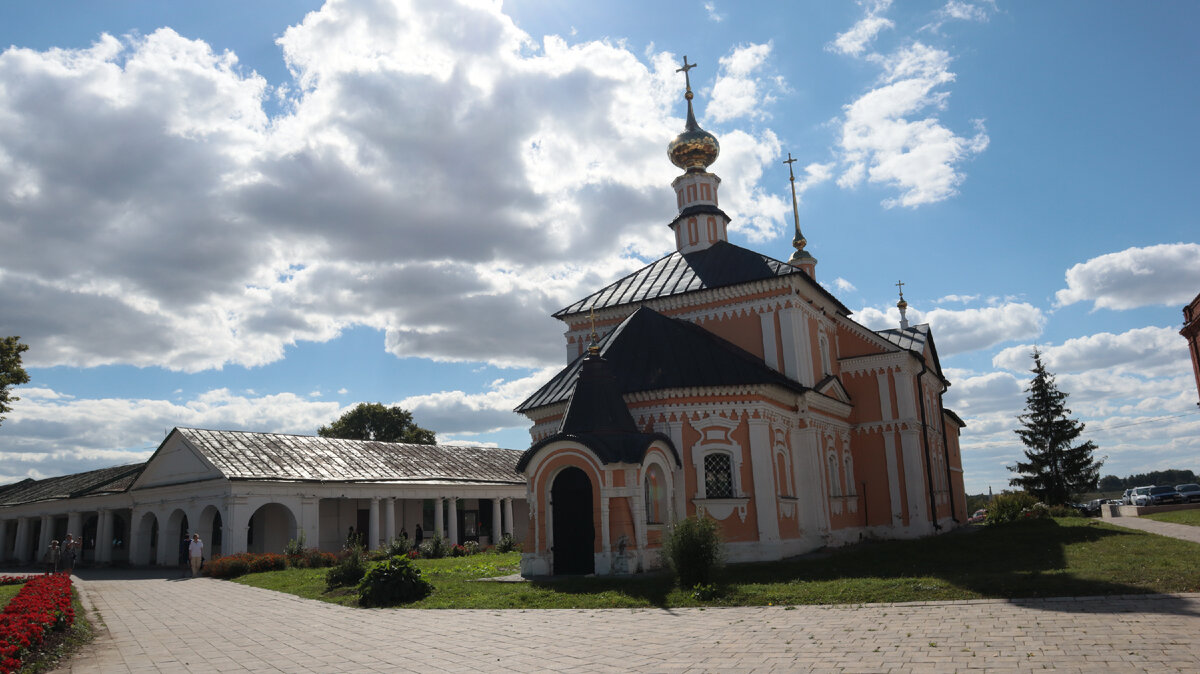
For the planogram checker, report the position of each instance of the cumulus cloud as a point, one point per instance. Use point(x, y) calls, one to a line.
point(434, 169)
point(53, 434)
point(739, 90)
point(711, 9)
point(962, 330)
point(1165, 274)
point(456, 412)
point(854, 41)
point(843, 285)
point(1149, 351)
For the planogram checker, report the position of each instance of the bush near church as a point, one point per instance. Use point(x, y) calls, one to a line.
point(694, 551)
point(393, 581)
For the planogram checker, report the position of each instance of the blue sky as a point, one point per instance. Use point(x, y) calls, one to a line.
point(254, 215)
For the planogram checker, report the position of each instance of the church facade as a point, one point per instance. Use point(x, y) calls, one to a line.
point(719, 382)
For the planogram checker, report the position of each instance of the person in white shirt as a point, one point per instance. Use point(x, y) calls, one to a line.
point(196, 554)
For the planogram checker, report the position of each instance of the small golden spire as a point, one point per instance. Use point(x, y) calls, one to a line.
point(902, 306)
point(798, 242)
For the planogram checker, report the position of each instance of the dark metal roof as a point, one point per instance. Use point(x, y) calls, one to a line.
point(598, 419)
point(720, 265)
point(912, 339)
point(91, 483)
point(648, 351)
point(699, 209)
point(241, 455)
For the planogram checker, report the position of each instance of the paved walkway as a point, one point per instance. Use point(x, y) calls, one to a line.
point(160, 624)
point(1184, 531)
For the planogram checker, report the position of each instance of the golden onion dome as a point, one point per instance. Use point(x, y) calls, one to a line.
point(695, 149)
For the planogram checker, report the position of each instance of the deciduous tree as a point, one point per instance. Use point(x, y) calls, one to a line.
point(11, 372)
point(373, 421)
point(1055, 468)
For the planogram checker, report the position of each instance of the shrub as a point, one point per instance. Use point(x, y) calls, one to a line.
point(393, 581)
point(1065, 511)
point(507, 544)
point(398, 546)
point(295, 547)
point(349, 569)
point(1009, 506)
point(694, 551)
point(232, 566)
point(471, 548)
point(436, 547)
point(312, 558)
point(457, 550)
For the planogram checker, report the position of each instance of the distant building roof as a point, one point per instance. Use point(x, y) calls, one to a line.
point(912, 339)
point(649, 351)
point(93, 482)
point(241, 455)
point(720, 265)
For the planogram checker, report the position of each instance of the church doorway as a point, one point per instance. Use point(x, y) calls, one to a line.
point(574, 534)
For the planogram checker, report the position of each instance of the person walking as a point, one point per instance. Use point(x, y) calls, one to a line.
point(196, 554)
point(420, 535)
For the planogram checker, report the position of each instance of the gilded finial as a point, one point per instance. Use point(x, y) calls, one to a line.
point(798, 242)
point(902, 306)
point(695, 149)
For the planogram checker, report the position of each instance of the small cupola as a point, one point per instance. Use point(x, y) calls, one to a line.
point(700, 222)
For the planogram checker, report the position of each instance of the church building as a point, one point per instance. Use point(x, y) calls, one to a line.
point(719, 382)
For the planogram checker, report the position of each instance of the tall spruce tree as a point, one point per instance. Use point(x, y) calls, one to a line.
point(1056, 468)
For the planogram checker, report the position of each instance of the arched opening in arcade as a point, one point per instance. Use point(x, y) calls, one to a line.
point(270, 528)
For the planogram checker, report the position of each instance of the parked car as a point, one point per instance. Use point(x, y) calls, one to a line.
point(1140, 496)
point(978, 518)
point(1092, 508)
point(1190, 492)
point(1127, 497)
point(1163, 495)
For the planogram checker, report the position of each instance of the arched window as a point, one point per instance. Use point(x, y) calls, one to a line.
point(693, 236)
point(655, 495)
point(718, 475)
point(712, 230)
point(848, 464)
point(826, 366)
point(835, 480)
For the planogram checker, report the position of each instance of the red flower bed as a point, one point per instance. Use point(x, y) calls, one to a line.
point(44, 604)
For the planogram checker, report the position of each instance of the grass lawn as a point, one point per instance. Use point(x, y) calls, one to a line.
point(7, 592)
point(1037, 558)
point(1191, 517)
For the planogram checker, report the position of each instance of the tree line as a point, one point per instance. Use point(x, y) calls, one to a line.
point(1170, 477)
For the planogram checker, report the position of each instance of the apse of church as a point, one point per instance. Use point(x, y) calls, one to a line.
point(720, 382)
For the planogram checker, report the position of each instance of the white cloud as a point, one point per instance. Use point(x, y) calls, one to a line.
point(459, 413)
point(963, 330)
point(843, 285)
point(854, 42)
point(711, 9)
point(145, 193)
point(881, 142)
point(53, 434)
point(1149, 351)
point(964, 299)
point(964, 11)
point(739, 90)
point(1165, 274)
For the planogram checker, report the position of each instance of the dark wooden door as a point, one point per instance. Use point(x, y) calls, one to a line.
point(574, 535)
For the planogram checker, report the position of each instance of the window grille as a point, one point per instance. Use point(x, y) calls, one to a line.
point(718, 476)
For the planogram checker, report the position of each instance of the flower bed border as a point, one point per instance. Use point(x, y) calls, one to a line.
point(42, 606)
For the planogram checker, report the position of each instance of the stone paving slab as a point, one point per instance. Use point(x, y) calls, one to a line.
point(1186, 532)
point(157, 624)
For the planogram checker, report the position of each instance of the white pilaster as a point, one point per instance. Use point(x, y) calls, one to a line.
point(439, 518)
point(74, 526)
point(770, 347)
point(508, 516)
point(762, 468)
point(910, 449)
point(310, 520)
point(21, 551)
point(453, 524)
point(236, 520)
point(678, 479)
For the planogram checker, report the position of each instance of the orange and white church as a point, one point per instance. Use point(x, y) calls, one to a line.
point(720, 382)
